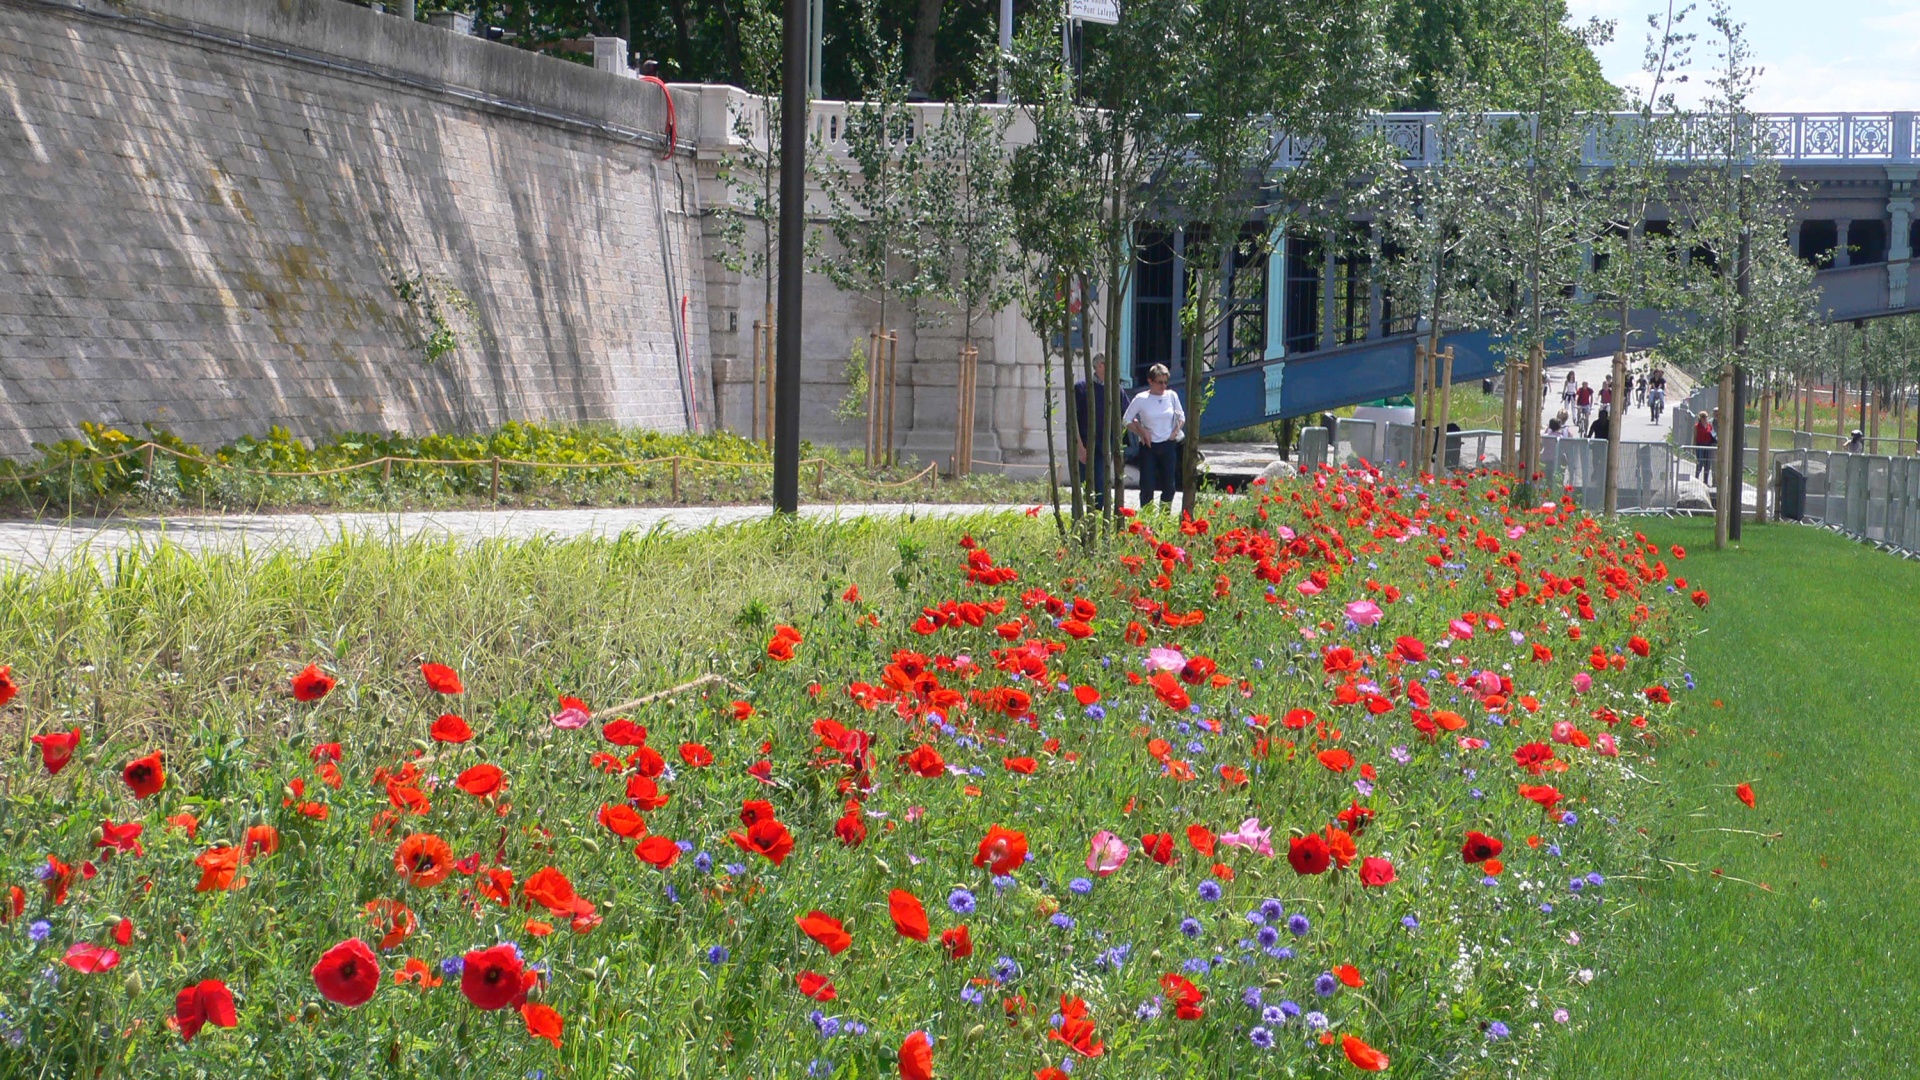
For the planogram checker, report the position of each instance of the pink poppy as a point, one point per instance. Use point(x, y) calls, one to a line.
point(1109, 853)
point(1364, 612)
point(1250, 835)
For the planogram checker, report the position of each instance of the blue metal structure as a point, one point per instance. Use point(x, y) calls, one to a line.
point(1331, 338)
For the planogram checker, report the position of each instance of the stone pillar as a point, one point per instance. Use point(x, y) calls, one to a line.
point(1842, 258)
point(1900, 181)
point(408, 11)
point(1793, 236)
point(610, 55)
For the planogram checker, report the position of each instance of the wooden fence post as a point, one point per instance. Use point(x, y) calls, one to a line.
point(676, 478)
point(495, 485)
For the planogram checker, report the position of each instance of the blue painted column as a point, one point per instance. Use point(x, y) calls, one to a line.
point(1276, 292)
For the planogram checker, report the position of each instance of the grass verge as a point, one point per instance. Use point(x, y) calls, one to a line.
point(1807, 690)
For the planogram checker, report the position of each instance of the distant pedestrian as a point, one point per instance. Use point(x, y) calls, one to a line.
point(1157, 420)
point(1090, 414)
point(1567, 391)
point(1857, 444)
point(1601, 426)
point(1703, 443)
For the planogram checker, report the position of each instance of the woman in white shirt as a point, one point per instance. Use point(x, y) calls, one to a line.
point(1157, 420)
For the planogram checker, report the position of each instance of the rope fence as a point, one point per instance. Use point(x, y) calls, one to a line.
point(385, 462)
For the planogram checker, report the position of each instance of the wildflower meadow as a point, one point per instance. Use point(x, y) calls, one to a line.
point(1341, 776)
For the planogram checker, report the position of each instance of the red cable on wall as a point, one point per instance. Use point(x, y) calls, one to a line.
point(672, 123)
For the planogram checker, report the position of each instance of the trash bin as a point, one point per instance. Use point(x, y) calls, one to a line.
point(1791, 490)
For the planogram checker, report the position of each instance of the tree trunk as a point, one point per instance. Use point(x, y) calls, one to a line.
point(1726, 499)
point(920, 53)
point(1762, 474)
point(1616, 413)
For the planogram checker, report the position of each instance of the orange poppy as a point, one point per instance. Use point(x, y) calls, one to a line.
point(423, 859)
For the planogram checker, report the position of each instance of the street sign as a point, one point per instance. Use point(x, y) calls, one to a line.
point(1105, 12)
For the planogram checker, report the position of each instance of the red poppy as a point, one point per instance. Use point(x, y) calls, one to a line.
point(8, 687)
point(89, 958)
point(1309, 854)
point(909, 914)
point(442, 679)
point(658, 851)
point(765, 837)
point(1376, 873)
point(742, 710)
point(260, 840)
point(1479, 847)
point(785, 639)
point(958, 942)
point(1086, 695)
point(851, 831)
point(1361, 1055)
point(645, 794)
point(145, 776)
point(550, 889)
point(121, 837)
point(492, 978)
point(423, 859)
point(1022, 765)
point(1158, 847)
point(123, 931)
point(205, 1002)
point(623, 820)
point(925, 761)
point(56, 749)
point(1533, 756)
point(1185, 996)
point(624, 732)
point(450, 729)
point(392, 920)
point(1544, 794)
point(1075, 1029)
point(1002, 851)
point(348, 974)
point(543, 1022)
point(916, 1057)
point(826, 930)
point(1202, 839)
point(816, 986)
point(1745, 794)
point(481, 781)
point(695, 755)
point(1336, 760)
point(312, 684)
point(217, 866)
point(1349, 975)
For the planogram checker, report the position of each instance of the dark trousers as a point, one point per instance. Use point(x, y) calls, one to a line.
point(1159, 472)
point(1095, 475)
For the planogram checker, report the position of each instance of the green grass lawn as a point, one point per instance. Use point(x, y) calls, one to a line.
point(1808, 646)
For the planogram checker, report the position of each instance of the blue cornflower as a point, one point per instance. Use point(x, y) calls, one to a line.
point(1569, 818)
point(1260, 1037)
point(40, 930)
point(1546, 909)
point(961, 901)
point(1209, 891)
point(1002, 882)
point(1289, 1009)
point(1115, 957)
point(1272, 910)
point(1005, 970)
point(1080, 885)
point(1577, 884)
point(829, 1026)
point(1197, 966)
point(1316, 1021)
point(453, 965)
point(1298, 924)
point(1062, 920)
point(973, 995)
point(1148, 1010)
point(1273, 1014)
point(1326, 985)
point(1256, 918)
point(1497, 1030)
point(1251, 996)
point(1190, 927)
point(818, 1067)
point(1280, 952)
point(1410, 922)
point(1268, 937)
point(1594, 879)
point(717, 955)
point(685, 846)
point(1096, 712)
point(735, 868)
point(703, 862)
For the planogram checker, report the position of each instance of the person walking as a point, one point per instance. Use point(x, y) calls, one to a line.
point(1567, 392)
point(1090, 414)
point(1601, 426)
point(1157, 420)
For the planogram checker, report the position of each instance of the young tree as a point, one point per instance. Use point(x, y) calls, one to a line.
point(882, 248)
point(748, 224)
point(1629, 270)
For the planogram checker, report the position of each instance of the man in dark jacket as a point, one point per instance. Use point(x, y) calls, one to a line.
point(1090, 416)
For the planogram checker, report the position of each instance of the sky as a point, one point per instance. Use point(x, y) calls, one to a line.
point(1815, 55)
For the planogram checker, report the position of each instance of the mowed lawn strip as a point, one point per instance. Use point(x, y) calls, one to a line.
point(1809, 690)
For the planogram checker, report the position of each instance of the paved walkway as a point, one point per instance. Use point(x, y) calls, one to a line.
point(45, 543)
point(1639, 421)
